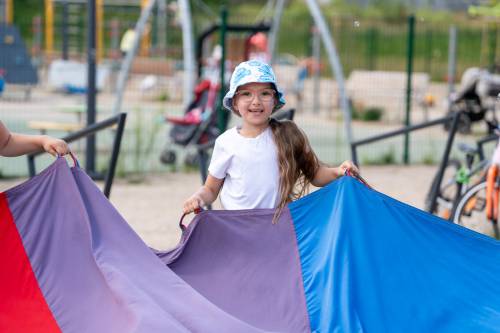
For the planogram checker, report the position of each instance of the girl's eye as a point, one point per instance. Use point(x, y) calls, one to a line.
point(245, 93)
point(266, 93)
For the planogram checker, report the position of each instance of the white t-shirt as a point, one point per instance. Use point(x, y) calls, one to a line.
point(249, 167)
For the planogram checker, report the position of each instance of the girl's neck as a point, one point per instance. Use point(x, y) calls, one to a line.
point(251, 131)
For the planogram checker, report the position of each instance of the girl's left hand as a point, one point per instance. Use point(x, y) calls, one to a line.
point(349, 165)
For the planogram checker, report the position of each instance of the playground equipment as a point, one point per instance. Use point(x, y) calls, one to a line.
point(15, 62)
point(189, 57)
point(71, 14)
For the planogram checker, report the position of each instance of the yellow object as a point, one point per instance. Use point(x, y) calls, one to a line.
point(146, 36)
point(9, 11)
point(99, 28)
point(49, 27)
point(44, 126)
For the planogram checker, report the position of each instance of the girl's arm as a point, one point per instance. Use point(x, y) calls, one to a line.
point(205, 195)
point(325, 174)
point(13, 144)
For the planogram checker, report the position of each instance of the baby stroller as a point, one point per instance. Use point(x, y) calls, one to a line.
point(475, 97)
point(196, 127)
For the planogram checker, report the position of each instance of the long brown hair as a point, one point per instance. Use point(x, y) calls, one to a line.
point(297, 162)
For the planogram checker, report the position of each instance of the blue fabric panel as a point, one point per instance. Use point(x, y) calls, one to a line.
point(373, 264)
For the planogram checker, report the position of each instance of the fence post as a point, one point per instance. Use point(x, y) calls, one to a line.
point(492, 46)
point(371, 48)
point(221, 116)
point(452, 61)
point(409, 71)
point(91, 81)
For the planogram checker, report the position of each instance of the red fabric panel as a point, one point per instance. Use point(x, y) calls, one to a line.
point(22, 305)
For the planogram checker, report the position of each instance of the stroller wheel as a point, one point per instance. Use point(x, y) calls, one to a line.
point(191, 160)
point(168, 157)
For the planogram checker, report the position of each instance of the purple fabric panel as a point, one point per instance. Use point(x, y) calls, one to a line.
point(245, 265)
point(94, 271)
point(160, 300)
point(51, 219)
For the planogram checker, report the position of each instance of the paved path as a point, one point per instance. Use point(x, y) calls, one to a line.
point(153, 207)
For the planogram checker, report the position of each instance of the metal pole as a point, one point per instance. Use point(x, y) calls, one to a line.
point(334, 63)
point(222, 114)
point(65, 38)
point(452, 60)
point(492, 46)
point(91, 78)
point(371, 47)
point(275, 28)
point(409, 71)
point(162, 28)
point(428, 51)
point(317, 58)
point(114, 155)
point(187, 46)
point(129, 57)
point(431, 205)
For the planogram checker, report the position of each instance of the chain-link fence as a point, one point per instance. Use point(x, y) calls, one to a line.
point(374, 56)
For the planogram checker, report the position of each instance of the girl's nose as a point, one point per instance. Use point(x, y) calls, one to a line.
point(256, 99)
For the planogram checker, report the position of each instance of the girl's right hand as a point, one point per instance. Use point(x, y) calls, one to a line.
point(54, 146)
point(193, 203)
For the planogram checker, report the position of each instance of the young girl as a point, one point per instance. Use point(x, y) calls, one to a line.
point(263, 163)
point(13, 144)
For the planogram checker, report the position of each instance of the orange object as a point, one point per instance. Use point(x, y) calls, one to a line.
point(492, 193)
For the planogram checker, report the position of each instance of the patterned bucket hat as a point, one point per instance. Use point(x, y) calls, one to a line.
point(250, 72)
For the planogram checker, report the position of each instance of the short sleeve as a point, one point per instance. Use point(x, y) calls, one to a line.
point(220, 161)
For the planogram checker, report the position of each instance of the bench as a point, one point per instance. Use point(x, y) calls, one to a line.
point(44, 126)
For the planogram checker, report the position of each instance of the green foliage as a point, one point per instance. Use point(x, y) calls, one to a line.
point(388, 157)
point(429, 159)
point(163, 97)
point(368, 114)
point(372, 114)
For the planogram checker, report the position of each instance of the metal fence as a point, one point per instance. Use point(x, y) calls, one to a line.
point(374, 55)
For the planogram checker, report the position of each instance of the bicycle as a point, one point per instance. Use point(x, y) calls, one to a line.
point(477, 208)
point(470, 211)
point(458, 179)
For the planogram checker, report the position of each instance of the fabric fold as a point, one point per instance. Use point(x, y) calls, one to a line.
point(342, 259)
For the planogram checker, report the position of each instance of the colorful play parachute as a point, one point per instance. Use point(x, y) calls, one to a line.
point(342, 259)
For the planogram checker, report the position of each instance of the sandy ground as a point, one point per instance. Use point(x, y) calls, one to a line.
point(153, 207)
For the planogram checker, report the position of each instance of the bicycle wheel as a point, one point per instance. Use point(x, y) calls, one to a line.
point(471, 212)
point(448, 192)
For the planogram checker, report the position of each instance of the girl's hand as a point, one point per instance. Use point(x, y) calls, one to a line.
point(192, 204)
point(55, 146)
point(348, 165)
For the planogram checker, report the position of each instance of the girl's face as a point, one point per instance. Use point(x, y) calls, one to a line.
point(255, 103)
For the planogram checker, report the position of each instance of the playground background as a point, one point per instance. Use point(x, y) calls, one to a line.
point(156, 218)
point(373, 49)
